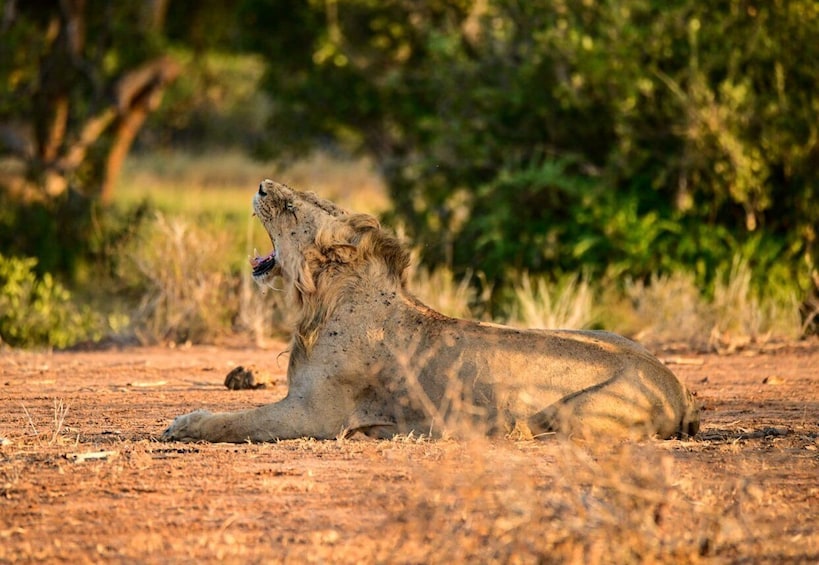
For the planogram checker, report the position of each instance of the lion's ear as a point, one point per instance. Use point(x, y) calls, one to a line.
point(341, 253)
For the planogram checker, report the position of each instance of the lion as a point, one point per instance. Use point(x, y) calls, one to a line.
point(367, 356)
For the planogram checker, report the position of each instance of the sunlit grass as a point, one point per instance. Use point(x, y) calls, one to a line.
point(222, 185)
point(674, 310)
point(442, 291)
point(567, 304)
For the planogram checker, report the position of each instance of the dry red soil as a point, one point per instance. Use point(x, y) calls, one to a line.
point(83, 479)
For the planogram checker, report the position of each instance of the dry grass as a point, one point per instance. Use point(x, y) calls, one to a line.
point(187, 285)
point(484, 503)
point(198, 291)
point(743, 491)
point(494, 503)
point(569, 304)
point(54, 434)
point(669, 309)
point(673, 310)
point(440, 290)
point(741, 316)
point(191, 258)
point(60, 413)
point(191, 293)
point(409, 500)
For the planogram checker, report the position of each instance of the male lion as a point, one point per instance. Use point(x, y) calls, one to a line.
point(368, 356)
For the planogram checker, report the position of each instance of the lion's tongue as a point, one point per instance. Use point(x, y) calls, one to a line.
point(263, 264)
point(257, 260)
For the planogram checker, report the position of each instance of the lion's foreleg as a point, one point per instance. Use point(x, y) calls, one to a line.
point(287, 419)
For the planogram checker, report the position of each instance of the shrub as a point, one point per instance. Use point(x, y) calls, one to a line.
point(562, 137)
point(38, 311)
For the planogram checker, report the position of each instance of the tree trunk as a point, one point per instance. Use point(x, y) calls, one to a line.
point(137, 94)
point(140, 94)
point(60, 140)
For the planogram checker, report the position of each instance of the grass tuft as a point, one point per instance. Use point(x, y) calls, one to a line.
point(440, 290)
point(60, 412)
point(741, 316)
point(569, 304)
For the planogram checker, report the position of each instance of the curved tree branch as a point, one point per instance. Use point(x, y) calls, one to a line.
point(136, 94)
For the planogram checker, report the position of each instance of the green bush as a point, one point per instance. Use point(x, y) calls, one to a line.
point(73, 236)
point(38, 311)
point(627, 138)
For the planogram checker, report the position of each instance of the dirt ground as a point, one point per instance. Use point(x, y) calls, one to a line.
point(83, 479)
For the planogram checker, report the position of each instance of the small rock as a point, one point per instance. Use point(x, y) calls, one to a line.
point(773, 380)
point(240, 378)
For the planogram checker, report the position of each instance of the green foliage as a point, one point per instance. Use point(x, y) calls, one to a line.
point(30, 36)
point(38, 311)
point(39, 63)
point(67, 113)
point(79, 79)
point(71, 235)
point(632, 138)
point(189, 276)
point(628, 141)
point(49, 231)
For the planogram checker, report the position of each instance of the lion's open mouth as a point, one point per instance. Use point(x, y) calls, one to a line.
point(262, 265)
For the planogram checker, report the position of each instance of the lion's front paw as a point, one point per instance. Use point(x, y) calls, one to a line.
point(187, 427)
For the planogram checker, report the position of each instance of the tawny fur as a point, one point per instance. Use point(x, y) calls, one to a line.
point(368, 356)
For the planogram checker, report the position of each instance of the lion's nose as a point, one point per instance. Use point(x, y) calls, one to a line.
point(261, 189)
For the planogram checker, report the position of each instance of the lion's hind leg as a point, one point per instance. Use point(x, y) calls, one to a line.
point(616, 407)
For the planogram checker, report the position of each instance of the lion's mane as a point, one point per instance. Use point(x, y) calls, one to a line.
point(346, 249)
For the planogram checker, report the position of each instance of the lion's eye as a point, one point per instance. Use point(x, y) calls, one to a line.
point(289, 207)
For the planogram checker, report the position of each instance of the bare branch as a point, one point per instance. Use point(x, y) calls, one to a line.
point(93, 129)
point(137, 93)
point(146, 80)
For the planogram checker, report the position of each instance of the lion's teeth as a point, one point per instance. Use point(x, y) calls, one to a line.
point(254, 259)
